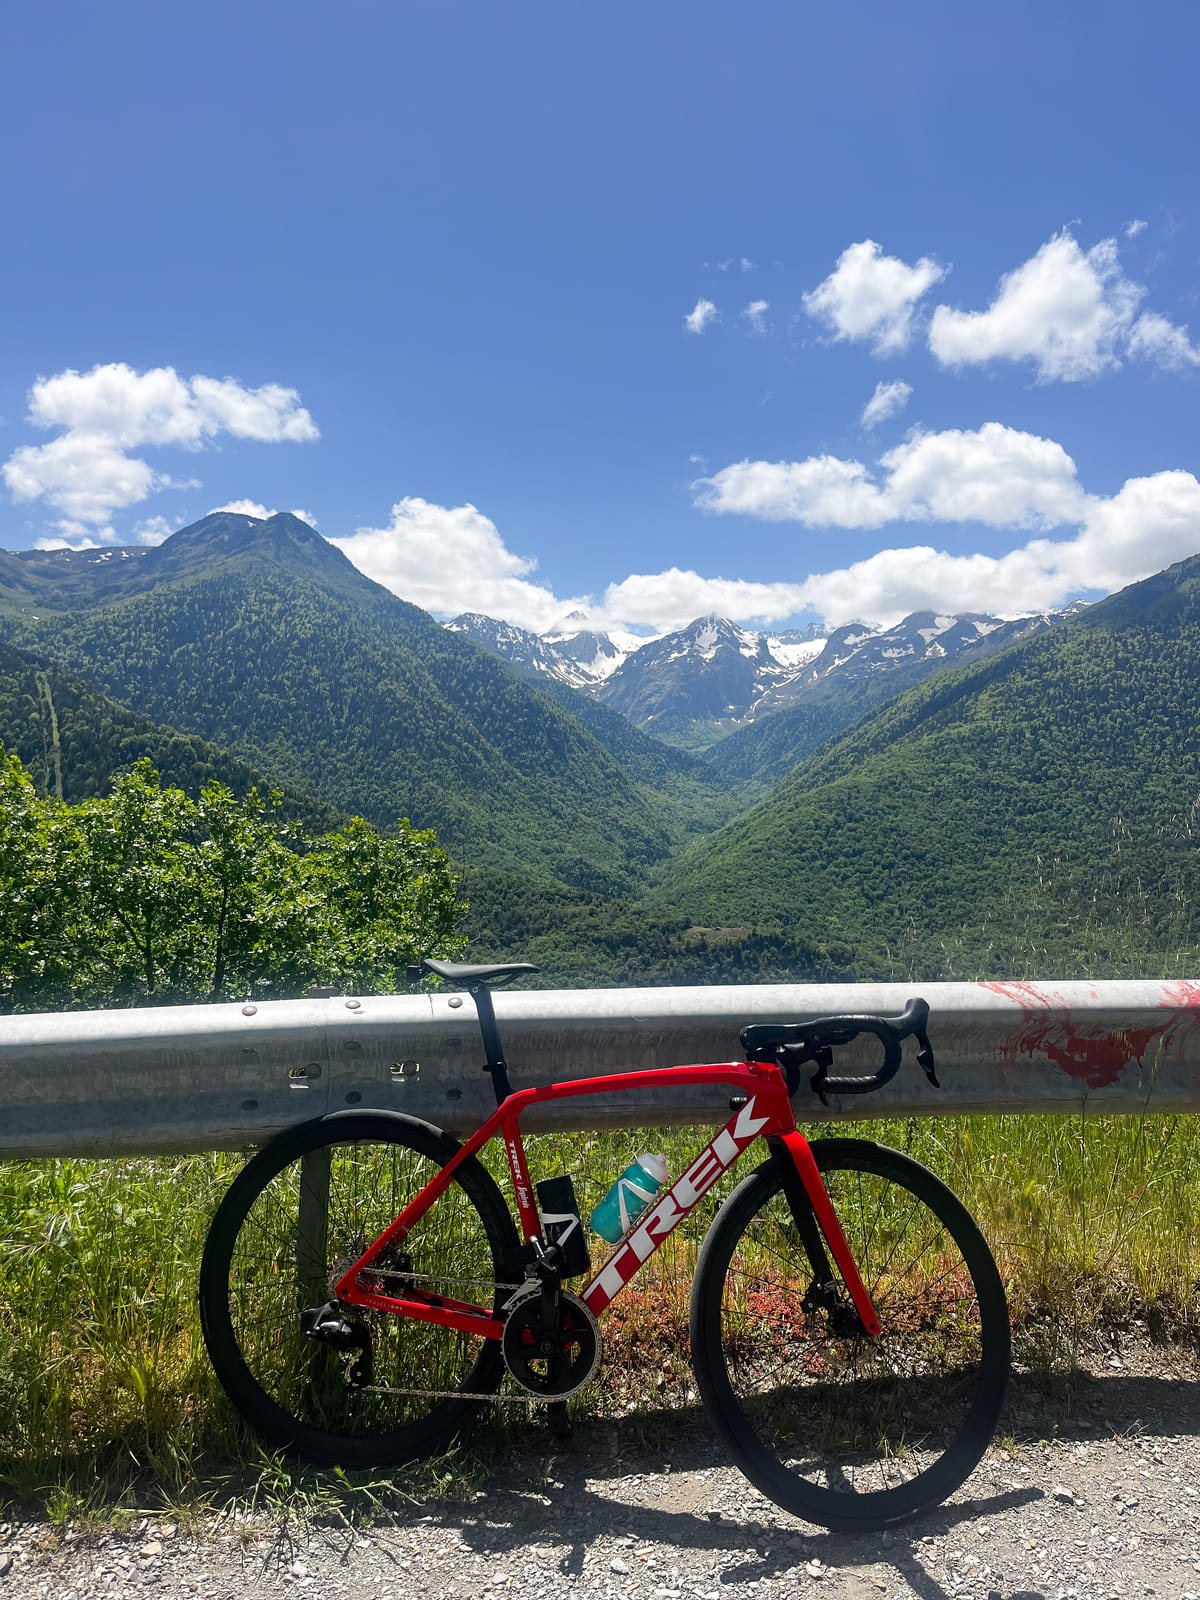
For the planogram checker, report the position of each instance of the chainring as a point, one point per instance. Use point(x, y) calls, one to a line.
point(572, 1359)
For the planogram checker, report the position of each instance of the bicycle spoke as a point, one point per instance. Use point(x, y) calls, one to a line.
point(849, 1413)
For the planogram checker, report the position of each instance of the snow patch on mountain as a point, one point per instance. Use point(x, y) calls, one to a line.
point(714, 672)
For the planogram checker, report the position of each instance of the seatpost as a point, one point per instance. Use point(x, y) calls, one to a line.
point(488, 1027)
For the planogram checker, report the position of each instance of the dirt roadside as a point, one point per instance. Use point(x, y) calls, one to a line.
point(1091, 1492)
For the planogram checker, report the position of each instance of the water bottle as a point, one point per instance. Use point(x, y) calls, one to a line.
point(562, 1225)
point(629, 1197)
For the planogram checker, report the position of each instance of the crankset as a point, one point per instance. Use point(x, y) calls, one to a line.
point(550, 1362)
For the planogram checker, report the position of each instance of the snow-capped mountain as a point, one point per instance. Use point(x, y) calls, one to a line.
point(714, 674)
point(583, 659)
point(711, 671)
point(923, 638)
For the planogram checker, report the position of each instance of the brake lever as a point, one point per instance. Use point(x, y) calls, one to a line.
point(791, 1057)
point(925, 1058)
point(823, 1056)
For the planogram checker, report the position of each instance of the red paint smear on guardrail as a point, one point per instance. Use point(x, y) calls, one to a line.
point(1098, 1058)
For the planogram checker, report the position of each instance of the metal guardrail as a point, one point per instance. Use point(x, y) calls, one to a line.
point(183, 1078)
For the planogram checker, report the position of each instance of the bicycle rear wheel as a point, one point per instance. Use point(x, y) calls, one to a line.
point(293, 1220)
point(847, 1431)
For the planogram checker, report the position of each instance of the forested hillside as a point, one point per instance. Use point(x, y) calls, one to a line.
point(700, 798)
point(757, 756)
point(580, 939)
point(832, 696)
point(1024, 807)
point(72, 739)
point(262, 637)
point(1031, 811)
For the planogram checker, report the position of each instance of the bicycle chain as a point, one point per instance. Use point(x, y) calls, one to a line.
point(440, 1277)
point(450, 1394)
point(456, 1394)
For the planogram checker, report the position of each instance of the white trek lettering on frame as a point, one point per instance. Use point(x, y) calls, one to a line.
point(685, 1193)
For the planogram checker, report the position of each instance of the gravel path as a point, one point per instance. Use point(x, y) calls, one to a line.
point(1096, 1494)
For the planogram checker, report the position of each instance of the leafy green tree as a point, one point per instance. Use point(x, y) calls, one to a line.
point(145, 896)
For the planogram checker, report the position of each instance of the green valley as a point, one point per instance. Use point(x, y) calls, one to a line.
point(1033, 810)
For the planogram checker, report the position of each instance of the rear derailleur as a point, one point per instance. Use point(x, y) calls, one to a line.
point(329, 1325)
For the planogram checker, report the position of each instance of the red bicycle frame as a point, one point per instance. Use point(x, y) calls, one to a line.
point(766, 1113)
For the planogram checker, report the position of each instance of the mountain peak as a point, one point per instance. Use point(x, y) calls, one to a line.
point(578, 659)
point(228, 532)
point(283, 539)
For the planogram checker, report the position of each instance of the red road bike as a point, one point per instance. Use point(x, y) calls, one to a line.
point(364, 1290)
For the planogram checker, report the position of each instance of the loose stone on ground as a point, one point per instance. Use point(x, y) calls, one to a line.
point(1092, 1497)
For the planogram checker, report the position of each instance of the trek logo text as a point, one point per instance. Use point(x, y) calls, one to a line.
point(683, 1195)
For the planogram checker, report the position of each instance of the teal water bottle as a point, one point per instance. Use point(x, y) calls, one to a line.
point(629, 1197)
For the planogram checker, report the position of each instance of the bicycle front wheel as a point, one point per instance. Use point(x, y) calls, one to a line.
point(851, 1432)
point(295, 1218)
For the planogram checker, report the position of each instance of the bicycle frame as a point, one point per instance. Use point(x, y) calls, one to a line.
point(766, 1113)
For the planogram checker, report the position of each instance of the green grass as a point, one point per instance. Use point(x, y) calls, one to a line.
point(107, 1398)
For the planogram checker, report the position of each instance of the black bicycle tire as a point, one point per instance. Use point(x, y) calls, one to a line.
point(838, 1511)
point(450, 1419)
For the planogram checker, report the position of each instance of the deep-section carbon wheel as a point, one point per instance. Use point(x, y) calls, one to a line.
point(293, 1220)
point(844, 1430)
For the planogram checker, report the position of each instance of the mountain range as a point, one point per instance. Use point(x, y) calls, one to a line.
point(956, 796)
point(260, 636)
point(1036, 806)
point(696, 685)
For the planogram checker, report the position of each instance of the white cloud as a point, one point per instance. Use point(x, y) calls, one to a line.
point(453, 559)
point(746, 264)
point(821, 491)
point(449, 559)
point(86, 473)
point(886, 402)
point(996, 475)
point(1145, 526)
point(131, 408)
point(1072, 313)
point(153, 530)
point(245, 508)
point(756, 315)
point(871, 296)
point(671, 599)
point(1133, 228)
point(702, 313)
point(79, 542)
point(1154, 338)
point(270, 414)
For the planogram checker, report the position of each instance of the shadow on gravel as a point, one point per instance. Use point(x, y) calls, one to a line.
point(1117, 1403)
point(561, 1494)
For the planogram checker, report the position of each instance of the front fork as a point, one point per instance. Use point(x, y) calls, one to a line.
point(817, 1223)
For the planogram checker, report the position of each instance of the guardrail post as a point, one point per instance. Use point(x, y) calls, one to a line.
point(312, 1228)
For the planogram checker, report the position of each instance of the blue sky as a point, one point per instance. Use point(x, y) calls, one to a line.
point(422, 272)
